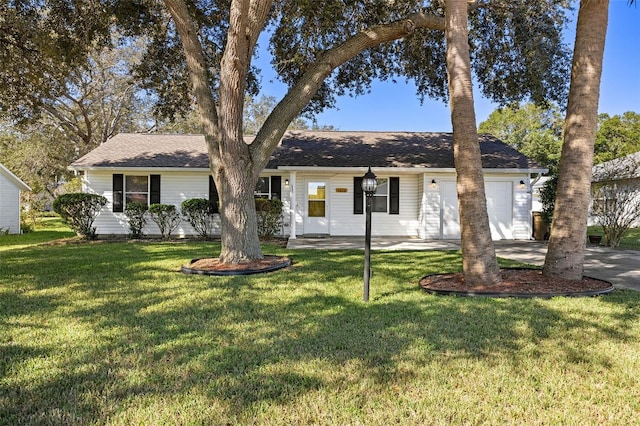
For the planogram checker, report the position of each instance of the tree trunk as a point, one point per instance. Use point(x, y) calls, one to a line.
point(479, 262)
point(565, 255)
point(235, 166)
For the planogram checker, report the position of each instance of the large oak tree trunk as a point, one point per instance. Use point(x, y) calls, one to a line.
point(479, 262)
point(565, 255)
point(235, 166)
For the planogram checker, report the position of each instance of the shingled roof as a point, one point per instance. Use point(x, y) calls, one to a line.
point(307, 149)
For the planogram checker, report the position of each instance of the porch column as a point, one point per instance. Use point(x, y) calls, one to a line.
point(292, 205)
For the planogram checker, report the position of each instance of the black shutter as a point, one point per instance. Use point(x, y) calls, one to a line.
point(276, 187)
point(358, 196)
point(214, 198)
point(118, 193)
point(394, 195)
point(154, 196)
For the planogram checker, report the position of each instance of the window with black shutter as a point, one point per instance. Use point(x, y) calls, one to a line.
point(276, 188)
point(358, 196)
point(394, 195)
point(214, 198)
point(154, 189)
point(118, 192)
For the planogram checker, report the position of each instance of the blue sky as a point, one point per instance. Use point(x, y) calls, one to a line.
point(392, 106)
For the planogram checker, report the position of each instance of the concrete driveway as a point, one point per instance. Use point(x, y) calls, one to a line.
point(619, 267)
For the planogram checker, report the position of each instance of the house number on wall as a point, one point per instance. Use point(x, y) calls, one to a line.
point(341, 189)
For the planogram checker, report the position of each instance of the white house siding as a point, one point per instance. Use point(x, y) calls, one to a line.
point(430, 223)
point(428, 211)
point(522, 213)
point(9, 206)
point(175, 187)
point(342, 220)
point(507, 205)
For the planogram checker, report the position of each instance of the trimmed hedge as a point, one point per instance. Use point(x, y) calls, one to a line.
point(79, 210)
point(166, 216)
point(269, 214)
point(199, 213)
point(135, 213)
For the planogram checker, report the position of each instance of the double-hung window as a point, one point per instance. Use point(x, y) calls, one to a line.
point(380, 199)
point(263, 188)
point(136, 189)
point(130, 188)
point(385, 199)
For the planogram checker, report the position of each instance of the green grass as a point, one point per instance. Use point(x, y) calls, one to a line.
point(47, 229)
point(112, 333)
point(630, 241)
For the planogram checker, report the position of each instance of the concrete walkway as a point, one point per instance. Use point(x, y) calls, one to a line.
point(620, 267)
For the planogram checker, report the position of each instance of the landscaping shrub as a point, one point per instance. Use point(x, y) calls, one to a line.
point(199, 213)
point(79, 211)
point(548, 197)
point(166, 216)
point(269, 217)
point(135, 213)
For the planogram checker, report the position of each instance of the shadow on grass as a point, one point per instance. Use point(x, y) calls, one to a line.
point(253, 339)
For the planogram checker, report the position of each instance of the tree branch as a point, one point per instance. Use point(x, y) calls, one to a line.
point(305, 88)
point(198, 72)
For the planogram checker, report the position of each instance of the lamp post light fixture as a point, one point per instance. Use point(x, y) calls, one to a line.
point(369, 186)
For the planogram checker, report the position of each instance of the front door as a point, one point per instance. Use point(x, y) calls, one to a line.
point(316, 221)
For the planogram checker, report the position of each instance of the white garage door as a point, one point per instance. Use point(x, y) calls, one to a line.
point(499, 207)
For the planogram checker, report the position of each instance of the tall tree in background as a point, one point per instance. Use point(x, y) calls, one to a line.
point(565, 255)
point(479, 262)
point(534, 130)
point(98, 99)
point(617, 136)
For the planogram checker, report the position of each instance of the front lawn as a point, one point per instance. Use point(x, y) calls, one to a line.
point(112, 333)
point(47, 229)
point(631, 240)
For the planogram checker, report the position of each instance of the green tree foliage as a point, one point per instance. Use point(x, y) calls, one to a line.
point(548, 197)
point(79, 211)
point(42, 43)
point(166, 216)
point(135, 212)
point(256, 111)
point(536, 131)
point(39, 155)
point(199, 213)
point(269, 217)
point(320, 50)
point(617, 136)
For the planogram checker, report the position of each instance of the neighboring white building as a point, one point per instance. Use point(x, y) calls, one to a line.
point(317, 176)
point(622, 177)
point(10, 187)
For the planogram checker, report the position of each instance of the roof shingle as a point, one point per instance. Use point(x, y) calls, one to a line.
point(311, 149)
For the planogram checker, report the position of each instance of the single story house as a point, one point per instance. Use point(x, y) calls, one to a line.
point(10, 187)
point(317, 176)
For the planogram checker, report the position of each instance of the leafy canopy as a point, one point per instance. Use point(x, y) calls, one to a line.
point(517, 49)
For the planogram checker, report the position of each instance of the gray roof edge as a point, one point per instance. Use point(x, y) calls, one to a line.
point(13, 178)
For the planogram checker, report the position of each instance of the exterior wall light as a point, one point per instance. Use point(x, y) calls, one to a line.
point(433, 183)
point(369, 186)
point(521, 186)
point(286, 182)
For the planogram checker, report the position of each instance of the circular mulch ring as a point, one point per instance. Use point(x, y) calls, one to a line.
point(516, 282)
point(212, 266)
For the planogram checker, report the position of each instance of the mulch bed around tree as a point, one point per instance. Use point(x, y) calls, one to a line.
point(213, 266)
point(516, 283)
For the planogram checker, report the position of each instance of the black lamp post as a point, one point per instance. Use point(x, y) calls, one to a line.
point(369, 186)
